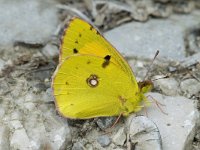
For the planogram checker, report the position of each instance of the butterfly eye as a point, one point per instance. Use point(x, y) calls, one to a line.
point(92, 81)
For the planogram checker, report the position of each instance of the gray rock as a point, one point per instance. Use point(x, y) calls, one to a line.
point(178, 128)
point(161, 10)
point(190, 86)
point(140, 14)
point(2, 111)
point(16, 124)
point(49, 95)
point(78, 146)
point(143, 39)
point(103, 140)
point(50, 51)
point(4, 137)
point(120, 137)
point(105, 122)
point(60, 135)
point(184, 7)
point(193, 38)
point(20, 140)
point(34, 122)
point(143, 134)
point(168, 86)
point(32, 21)
point(191, 60)
point(49, 129)
point(172, 69)
point(198, 4)
point(89, 147)
point(163, 1)
point(2, 63)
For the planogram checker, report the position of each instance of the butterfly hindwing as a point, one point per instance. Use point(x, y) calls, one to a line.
point(85, 88)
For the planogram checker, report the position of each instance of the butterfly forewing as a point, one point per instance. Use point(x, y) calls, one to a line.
point(81, 38)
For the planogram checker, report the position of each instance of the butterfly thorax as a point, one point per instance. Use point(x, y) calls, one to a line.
point(136, 103)
point(145, 86)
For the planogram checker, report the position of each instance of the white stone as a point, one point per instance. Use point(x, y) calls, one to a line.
point(191, 60)
point(178, 128)
point(168, 86)
point(120, 137)
point(4, 137)
point(2, 64)
point(20, 140)
point(50, 51)
point(60, 138)
point(16, 124)
point(191, 86)
point(143, 133)
point(48, 96)
point(32, 21)
point(78, 146)
point(29, 105)
point(16, 115)
point(59, 132)
point(103, 140)
point(2, 112)
point(36, 130)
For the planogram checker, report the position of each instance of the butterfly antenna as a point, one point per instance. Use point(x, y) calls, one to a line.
point(157, 52)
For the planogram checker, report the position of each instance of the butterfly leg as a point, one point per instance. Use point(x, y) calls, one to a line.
point(158, 104)
point(145, 110)
point(116, 121)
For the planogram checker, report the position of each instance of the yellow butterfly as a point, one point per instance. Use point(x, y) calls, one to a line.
point(92, 78)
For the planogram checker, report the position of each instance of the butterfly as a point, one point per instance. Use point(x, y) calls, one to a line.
point(92, 78)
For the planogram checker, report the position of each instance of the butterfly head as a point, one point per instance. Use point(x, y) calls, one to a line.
point(145, 86)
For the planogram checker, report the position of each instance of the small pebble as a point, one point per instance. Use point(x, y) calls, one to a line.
point(171, 69)
point(142, 133)
point(105, 122)
point(77, 146)
point(103, 140)
point(50, 51)
point(120, 137)
point(190, 86)
point(168, 86)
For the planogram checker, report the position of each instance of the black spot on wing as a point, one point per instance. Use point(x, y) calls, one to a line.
point(88, 62)
point(107, 61)
point(76, 41)
point(107, 57)
point(97, 33)
point(75, 51)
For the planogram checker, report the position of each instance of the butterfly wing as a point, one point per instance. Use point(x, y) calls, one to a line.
point(82, 38)
point(85, 88)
